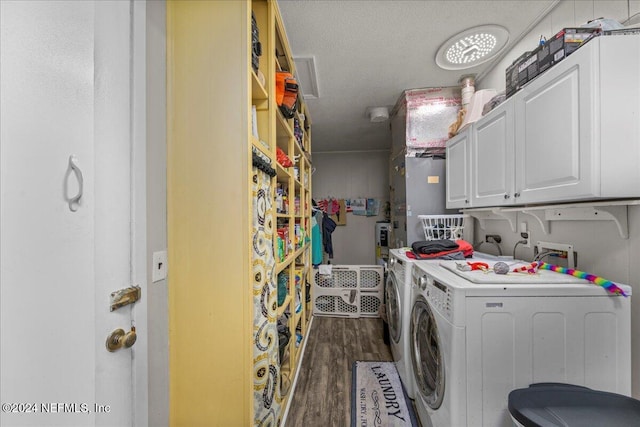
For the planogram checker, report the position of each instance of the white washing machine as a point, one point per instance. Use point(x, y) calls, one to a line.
point(398, 307)
point(477, 336)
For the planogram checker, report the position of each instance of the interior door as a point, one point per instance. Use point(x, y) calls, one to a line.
point(68, 238)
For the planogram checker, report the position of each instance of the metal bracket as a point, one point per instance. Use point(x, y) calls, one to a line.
point(125, 297)
point(483, 214)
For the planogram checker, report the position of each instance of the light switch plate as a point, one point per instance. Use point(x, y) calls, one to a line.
point(159, 267)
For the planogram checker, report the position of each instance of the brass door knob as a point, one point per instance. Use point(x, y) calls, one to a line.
point(118, 339)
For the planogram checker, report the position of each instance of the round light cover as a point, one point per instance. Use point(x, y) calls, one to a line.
point(472, 47)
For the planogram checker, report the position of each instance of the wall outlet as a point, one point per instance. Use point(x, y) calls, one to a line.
point(159, 267)
point(524, 234)
point(493, 238)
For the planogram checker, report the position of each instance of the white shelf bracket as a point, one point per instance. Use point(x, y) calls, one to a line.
point(540, 216)
point(615, 213)
point(493, 213)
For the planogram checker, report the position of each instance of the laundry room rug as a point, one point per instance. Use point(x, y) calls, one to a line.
point(378, 398)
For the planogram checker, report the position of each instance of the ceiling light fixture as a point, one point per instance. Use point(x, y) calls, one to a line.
point(472, 47)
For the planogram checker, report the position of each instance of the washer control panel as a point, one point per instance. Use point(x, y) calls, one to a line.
point(397, 266)
point(439, 296)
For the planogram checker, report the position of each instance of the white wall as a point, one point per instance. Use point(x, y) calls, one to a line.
point(346, 176)
point(601, 251)
point(157, 305)
point(600, 248)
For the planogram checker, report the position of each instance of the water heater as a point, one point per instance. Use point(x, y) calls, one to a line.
point(383, 237)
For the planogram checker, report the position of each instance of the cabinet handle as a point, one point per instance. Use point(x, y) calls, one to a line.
point(516, 195)
point(506, 196)
point(466, 201)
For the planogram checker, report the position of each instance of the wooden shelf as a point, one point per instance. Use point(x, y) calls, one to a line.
point(199, 50)
point(284, 130)
point(264, 150)
point(285, 363)
point(284, 264)
point(281, 309)
point(258, 92)
point(282, 174)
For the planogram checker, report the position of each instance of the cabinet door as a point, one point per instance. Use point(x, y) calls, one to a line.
point(492, 151)
point(458, 170)
point(619, 108)
point(555, 132)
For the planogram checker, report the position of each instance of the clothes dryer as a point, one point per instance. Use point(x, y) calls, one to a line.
point(477, 336)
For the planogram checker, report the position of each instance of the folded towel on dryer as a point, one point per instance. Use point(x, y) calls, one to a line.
point(433, 246)
point(422, 249)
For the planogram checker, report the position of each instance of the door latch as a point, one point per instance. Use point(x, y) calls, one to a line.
point(125, 297)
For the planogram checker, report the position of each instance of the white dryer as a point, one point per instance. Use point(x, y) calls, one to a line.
point(477, 336)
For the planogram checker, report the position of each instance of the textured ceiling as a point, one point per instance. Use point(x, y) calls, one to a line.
point(368, 51)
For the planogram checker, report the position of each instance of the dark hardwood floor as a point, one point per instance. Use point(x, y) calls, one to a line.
point(322, 397)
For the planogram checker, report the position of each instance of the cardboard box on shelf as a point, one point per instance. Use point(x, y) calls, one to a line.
point(533, 63)
point(517, 73)
point(563, 44)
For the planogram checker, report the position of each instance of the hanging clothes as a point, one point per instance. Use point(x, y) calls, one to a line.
point(328, 225)
point(316, 239)
point(329, 206)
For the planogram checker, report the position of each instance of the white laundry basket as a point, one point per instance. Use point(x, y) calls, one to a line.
point(442, 227)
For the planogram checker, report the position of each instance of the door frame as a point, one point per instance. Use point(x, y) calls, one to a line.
point(140, 259)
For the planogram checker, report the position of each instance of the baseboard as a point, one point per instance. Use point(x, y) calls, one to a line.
point(295, 377)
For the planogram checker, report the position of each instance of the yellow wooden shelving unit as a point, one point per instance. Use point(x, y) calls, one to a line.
point(222, 218)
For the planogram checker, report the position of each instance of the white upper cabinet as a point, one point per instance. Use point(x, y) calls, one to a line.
point(458, 155)
point(492, 154)
point(618, 109)
point(556, 132)
point(571, 134)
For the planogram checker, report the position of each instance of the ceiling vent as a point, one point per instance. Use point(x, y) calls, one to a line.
point(472, 47)
point(306, 74)
point(377, 114)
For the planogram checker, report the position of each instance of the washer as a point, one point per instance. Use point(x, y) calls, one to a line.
point(398, 306)
point(477, 336)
